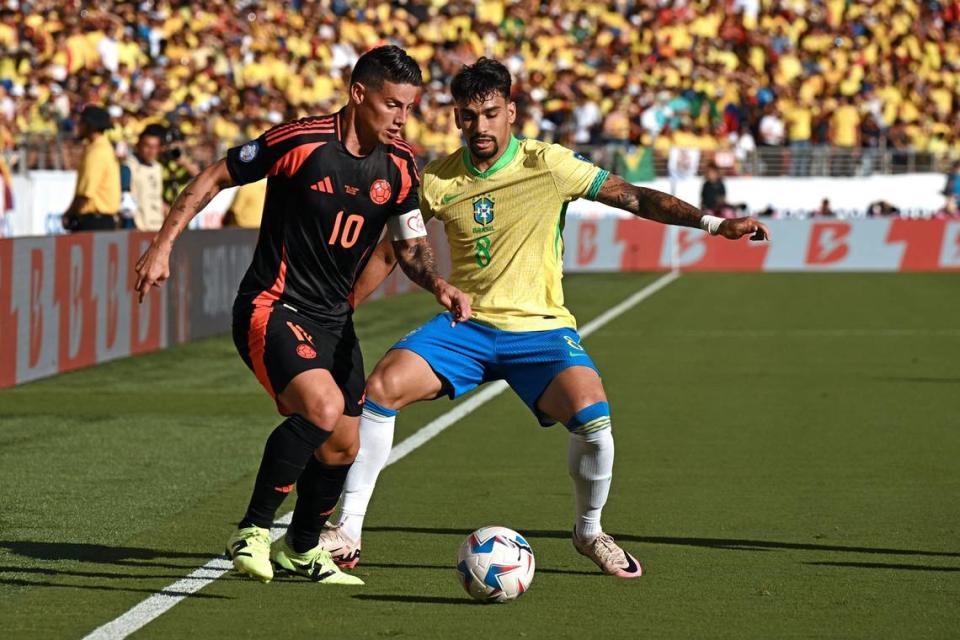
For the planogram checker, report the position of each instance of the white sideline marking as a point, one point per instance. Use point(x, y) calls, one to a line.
point(746, 332)
point(165, 599)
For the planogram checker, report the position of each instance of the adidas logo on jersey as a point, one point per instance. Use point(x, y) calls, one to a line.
point(323, 186)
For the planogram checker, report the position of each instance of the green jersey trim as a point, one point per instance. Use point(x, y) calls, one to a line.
point(558, 241)
point(598, 181)
point(501, 162)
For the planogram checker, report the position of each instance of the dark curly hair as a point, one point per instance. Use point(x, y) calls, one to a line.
point(481, 80)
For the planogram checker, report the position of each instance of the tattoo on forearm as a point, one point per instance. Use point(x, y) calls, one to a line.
point(189, 203)
point(648, 203)
point(417, 261)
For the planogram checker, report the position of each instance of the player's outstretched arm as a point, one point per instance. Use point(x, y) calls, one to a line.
point(417, 261)
point(153, 267)
point(382, 263)
point(662, 207)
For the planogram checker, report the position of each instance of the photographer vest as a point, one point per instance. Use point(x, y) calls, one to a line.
point(146, 187)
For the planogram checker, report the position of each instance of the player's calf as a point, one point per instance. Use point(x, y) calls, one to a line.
point(376, 438)
point(590, 460)
point(285, 456)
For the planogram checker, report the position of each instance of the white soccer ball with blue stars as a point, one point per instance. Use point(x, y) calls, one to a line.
point(495, 564)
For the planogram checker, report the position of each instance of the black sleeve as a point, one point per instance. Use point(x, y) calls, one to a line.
point(407, 183)
point(411, 202)
point(254, 160)
point(250, 161)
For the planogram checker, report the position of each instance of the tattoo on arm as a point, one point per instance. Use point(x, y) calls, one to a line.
point(190, 202)
point(195, 196)
point(648, 203)
point(417, 261)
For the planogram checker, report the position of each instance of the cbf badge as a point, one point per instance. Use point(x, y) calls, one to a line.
point(483, 210)
point(248, 151)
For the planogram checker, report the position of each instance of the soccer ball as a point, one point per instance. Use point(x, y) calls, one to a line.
point(495, 564)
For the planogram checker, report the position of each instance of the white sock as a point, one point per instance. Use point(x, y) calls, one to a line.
point(590, 460)
point(376, 439)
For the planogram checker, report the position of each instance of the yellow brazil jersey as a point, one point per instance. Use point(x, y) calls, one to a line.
point(504, 228)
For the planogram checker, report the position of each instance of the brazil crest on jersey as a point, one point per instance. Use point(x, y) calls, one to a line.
point(505, 225)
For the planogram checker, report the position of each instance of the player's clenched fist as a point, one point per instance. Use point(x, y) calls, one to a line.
point(736, 228)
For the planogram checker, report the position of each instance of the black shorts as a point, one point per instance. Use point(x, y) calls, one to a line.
point(278, 344)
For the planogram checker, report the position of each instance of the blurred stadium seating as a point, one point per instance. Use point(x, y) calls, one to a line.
point(763, 87)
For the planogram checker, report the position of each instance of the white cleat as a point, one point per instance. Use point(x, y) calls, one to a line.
point(608, 555)
point(345, 550)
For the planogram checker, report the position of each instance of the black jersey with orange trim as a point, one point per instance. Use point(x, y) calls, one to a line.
point(324, 212)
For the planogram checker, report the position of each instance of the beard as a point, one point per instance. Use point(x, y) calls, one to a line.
point(484, 154)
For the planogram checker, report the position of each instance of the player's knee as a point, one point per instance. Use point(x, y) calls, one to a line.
point(324, 414)
point(339, 451)
point(349, 454)
point(338, 458)
point(590, 420)
point(306, 430)
point(386, 388)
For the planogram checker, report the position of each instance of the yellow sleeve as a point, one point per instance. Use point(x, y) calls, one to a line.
point(574, 175)
point(426, 182)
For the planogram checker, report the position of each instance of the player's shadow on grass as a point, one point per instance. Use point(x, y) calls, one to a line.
point(130, 557)
point(102, 587)
point(882, 565)
point(415, 599)
point(733, 544)
point(100, 554)
point(45, 571)
point(443, 567)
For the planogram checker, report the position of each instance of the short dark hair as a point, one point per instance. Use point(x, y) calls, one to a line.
point(154, 130)
point(481, 80)
point(96, 118)
point(387, 63)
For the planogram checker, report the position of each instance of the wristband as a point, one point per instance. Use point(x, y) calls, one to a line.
point(711, 224)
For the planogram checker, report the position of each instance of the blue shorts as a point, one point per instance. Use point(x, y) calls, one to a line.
point(472, 353)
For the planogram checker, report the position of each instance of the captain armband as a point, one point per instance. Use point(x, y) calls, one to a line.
point(407, 226)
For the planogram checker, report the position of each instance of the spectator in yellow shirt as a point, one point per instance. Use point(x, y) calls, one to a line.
point(799, 119)
point(845, 134)
point(247, 207)
point(96, 201)
point(845, 125)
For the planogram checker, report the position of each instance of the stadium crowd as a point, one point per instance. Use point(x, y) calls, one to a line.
point(717, 75)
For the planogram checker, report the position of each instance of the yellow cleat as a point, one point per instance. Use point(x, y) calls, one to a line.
point(249, 549)
point(315, 564)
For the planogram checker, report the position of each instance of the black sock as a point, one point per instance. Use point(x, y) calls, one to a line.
point(318, 491)
point(285, 455)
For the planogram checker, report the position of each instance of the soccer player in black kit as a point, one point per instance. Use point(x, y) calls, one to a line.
point(334, 183)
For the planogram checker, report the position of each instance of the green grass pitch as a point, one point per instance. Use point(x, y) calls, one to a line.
point(788, 465)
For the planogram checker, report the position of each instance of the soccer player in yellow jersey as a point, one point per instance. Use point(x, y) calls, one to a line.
point(502, 202)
